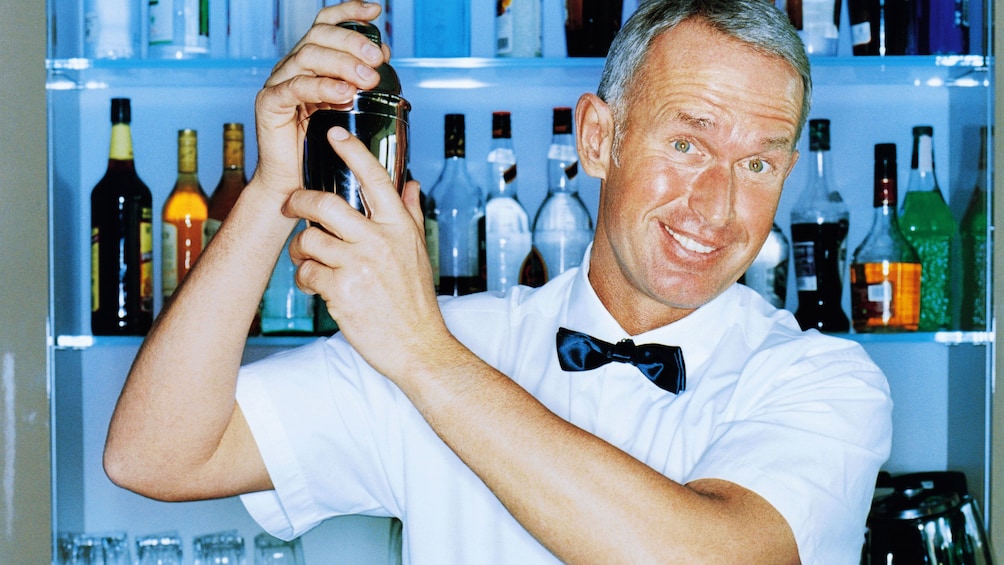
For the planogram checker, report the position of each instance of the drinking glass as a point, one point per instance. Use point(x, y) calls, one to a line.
point(269, 550)
point(159, 549)
point(108, 548)
point(220, 548)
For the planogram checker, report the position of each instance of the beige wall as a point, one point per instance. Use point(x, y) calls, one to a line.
point(25, 500)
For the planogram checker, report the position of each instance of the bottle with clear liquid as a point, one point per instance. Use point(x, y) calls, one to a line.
point(562, 229)
point(178, 29)
point(121, 238)
point(928, 224)
point(184, 215)
point(518, 28)
point(819, 224)
point(459, 211)
point(768, 274)
point(507, 226)
point(285, 309)
point(973, 228)
point(885, 269)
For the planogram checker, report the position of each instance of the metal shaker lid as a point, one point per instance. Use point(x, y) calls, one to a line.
point(914, 503)
point(389, 82)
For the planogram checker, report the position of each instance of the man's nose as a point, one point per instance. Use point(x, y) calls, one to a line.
point(712, 194)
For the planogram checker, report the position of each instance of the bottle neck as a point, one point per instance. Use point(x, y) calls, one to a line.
point(121, 143)
point(233, 155)
point(562, 164)
point(502, 169)
point(922, 177)
point(188, 157)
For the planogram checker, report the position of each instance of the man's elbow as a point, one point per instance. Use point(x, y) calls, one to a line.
point(135, 472)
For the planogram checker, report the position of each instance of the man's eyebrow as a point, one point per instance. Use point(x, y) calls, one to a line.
point(772, 143)
point(695, 122)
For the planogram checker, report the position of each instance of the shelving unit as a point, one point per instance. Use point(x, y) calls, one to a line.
point(941, 382)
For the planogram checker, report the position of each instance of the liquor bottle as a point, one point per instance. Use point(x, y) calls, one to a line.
point(459, 210)
point(927, 223)
point(943, 27)
point(121, 238)
point(885, 269)
point(507, 226)
point(232, 180)
point(111, 29)
point(285, 309)
point(973, 314)
point(882, 27)
point(590, 26)
point(253, 29)
point(178, 29)
point(562, 229)
point(295, 18)
point(819, 224)
point(518, 28)
point(768, 274)
point(818, 24)
point(442, 28)
point(185, 213)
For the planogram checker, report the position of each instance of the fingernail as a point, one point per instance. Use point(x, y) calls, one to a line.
point(338, 133)
point(365, 72)
point(372, 53)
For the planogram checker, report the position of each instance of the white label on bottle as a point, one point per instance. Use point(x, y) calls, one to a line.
point(804, 253)
point(161, 31)
point(504, 31)
point(861, 34)
point(562, 152)
point(169, 251)
point(880, 292)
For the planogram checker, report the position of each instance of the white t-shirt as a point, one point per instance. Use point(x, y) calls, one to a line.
point(802, 419)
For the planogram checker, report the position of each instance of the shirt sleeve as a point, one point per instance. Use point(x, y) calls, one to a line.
point(320, 417)
point(810, 440)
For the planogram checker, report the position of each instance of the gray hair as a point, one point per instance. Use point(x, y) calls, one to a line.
point(757, 23)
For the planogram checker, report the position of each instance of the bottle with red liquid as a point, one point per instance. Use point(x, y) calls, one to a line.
point(819, 225)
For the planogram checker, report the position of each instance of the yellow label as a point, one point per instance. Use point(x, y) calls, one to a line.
point(121, 145)
point(146, 260)
point(95, 272)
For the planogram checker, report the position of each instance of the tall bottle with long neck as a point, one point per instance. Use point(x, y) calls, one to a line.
point(973, 229)
point(885, 270)
point(232, 181)
point(459, 212)
point(507, 226)
point(819, 225)
point(121, 238)
point(928, 225)
point(185, 212)
point(562, 229)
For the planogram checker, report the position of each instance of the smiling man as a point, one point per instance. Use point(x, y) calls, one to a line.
point(643, 408)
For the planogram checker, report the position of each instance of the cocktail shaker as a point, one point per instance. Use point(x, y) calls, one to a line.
point(378, 117)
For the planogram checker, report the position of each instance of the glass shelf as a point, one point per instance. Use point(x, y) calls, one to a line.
point(78, 73)
point(943, 338)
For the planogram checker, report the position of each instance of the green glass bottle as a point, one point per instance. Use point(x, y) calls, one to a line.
point(928, 225)
point(973, 313)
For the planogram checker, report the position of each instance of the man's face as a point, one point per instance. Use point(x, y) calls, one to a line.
point(706, 144)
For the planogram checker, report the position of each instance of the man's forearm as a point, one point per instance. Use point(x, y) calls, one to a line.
point(172, 419)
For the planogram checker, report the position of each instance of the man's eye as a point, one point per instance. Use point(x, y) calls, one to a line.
point(681, 145)
point(757, 165)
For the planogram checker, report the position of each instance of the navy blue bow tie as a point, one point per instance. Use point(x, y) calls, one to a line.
point(662, 364)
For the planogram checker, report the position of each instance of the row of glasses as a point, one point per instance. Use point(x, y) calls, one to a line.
point(219, 548)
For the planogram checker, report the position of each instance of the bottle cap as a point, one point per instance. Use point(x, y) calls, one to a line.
point(501, 125)
point(121, 112)
point(819, 135)
point(885, 174)
point(389, 81)
point(454, 135)
point(562, 120)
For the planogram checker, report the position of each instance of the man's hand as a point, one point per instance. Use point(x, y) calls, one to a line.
point(373, 273)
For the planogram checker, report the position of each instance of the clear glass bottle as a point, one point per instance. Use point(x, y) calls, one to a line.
point(185, 212)
point(518, 28)
point(768, 274)
point(885, 270)
point(973, 228)
point(562, 229)
point(285, 309)
point(178, 29)
point(121, 238)
point(819, 224)
point(818, 24)
point(928, 224)
point(459, 211)
point(507, 226)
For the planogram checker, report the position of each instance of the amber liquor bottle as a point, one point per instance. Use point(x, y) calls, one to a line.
point(185, 212)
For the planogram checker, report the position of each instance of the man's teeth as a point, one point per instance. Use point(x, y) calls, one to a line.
point(690, 244)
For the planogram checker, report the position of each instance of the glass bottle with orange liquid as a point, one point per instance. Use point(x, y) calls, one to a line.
point(185, 212)
point(885, 270)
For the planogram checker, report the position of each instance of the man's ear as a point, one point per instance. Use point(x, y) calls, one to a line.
point(594, 135)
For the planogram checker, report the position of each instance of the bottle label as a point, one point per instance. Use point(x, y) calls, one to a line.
point(861, 34)
point(169, 266)
point(804, 253)
point(95, 270)
point(209, 229)
point(161, 30)
point(432, 245)
point(885, 296)
point(146, 260)
point(121, 143)
point(503, 27)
